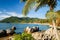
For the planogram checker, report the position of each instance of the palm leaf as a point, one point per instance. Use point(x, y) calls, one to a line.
point(58, 13)
point(28, 6)
point(51, 15)
point(43, 3)
point(40, 4)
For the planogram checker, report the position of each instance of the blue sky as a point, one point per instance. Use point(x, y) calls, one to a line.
point(10, 8)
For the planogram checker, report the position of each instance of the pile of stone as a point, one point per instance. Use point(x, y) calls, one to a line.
point(7, 32)
point(40, 35)
point(31, 30)
point(47, 35)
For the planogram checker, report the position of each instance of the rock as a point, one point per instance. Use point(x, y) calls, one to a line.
point(13, 28)
point(31, 30)
point(27, 30)
point(49, 31)
point(46, 35)
point(37, 35)
point(49, 34)
point(7, 32)
point(2, 33)
point(11, 38)
point(10, 32)
point(35, 29)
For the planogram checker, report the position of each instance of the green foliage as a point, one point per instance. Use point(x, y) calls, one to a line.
point(58, 13)
point(17, 37)
point(24, 20)
point(51, 15)
point(38, 4)
point(23, 36)
point(28, 6)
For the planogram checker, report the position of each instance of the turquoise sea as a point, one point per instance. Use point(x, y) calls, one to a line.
point(21, 27)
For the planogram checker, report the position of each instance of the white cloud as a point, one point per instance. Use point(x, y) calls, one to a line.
point(15, 14)
point(9, 14)
point(12, 13)
point(4, 16)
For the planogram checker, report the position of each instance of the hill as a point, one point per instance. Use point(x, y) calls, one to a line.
point(23, 20)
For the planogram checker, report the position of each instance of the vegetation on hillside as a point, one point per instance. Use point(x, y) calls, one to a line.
point(24, 20)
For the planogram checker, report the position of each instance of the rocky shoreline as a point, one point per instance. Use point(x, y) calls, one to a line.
point(7, 32)
point(48, 34)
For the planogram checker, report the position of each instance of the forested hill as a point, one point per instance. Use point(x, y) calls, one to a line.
point(23, 20)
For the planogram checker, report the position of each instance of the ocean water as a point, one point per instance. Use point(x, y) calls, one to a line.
point(21, 27)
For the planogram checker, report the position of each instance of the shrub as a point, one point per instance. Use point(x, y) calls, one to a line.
point(23, 36)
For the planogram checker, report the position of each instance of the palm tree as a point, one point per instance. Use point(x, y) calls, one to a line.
point(53, 15)
point(38, 4)
point(58, 13)
point(58, 19)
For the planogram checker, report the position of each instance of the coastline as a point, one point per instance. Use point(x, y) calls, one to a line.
point(32, 23)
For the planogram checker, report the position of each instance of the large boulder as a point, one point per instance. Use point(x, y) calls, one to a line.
point(10, 32)
point(35, 29)
point(31, 30)
point(49, 34)
point(2, 33)
point(37, 35)
point(27, 30)
point(7, 32)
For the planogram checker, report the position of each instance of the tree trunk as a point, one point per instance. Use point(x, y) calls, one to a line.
point(55, 30)
point(53, 21)
point(51, 8)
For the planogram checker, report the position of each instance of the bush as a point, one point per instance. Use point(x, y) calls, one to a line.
point(23, 36)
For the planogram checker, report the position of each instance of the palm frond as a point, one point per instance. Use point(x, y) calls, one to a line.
point(28, 6)
point(58, 13)
point(40, 4)
point(51, 15)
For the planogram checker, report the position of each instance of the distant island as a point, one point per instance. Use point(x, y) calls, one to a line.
point(24, 20)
